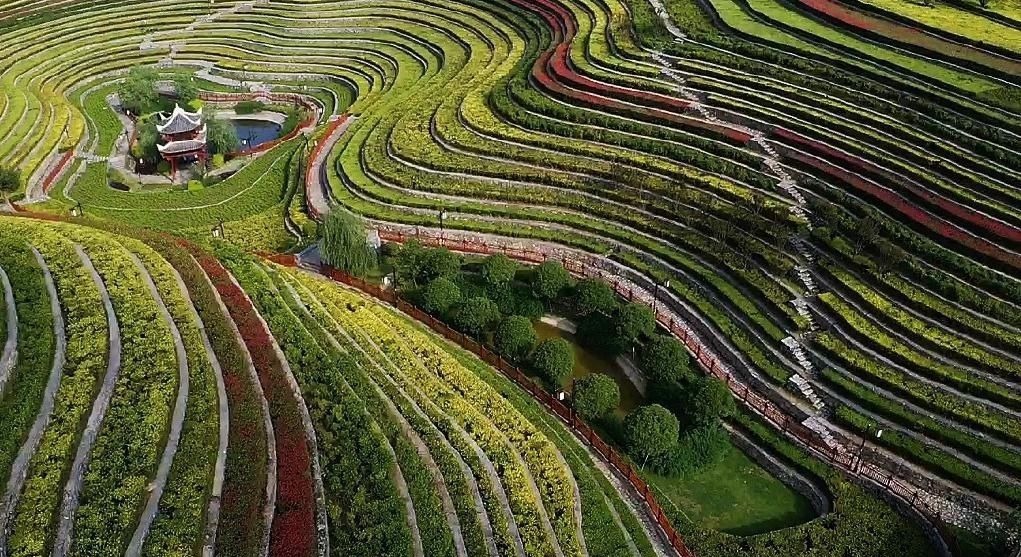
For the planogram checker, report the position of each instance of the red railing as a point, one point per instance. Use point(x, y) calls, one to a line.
point(852, 463)
point(563, 411)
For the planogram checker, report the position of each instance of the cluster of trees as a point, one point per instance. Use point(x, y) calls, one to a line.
point(497, 300)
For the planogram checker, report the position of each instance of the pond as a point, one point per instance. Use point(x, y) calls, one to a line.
point(253, 133)
point(587, 363)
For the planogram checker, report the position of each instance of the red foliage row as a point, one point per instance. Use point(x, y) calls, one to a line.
point(554, 72)
point(840, 13)
point(912, 211)
point(57, 170)
point(953, 208)
point(294, 530)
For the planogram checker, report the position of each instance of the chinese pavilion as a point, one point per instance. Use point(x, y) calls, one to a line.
point(184, 136)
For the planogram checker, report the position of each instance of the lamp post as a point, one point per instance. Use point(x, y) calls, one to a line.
point(655, 294)
point(861, 446)
point(218, 231)
point(77, 211)
point(443, 215)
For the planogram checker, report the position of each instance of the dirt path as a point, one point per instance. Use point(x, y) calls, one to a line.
point(10, 351)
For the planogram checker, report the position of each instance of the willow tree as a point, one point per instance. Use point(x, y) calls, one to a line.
point(344, 244)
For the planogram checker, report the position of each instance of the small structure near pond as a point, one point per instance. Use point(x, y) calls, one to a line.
point(184, 136)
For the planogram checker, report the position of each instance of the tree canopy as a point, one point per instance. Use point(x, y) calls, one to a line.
point(593, 295)
point(549, 279)
point(514, 338)
point(553, 360)
point(221, 136)
point(650, 431)
point(10, 181)
point(595, 396)
point(707, 399)
point(498, 271)
point(475, 316)
point(663, 359)
point(440, 295)
point(344, 243)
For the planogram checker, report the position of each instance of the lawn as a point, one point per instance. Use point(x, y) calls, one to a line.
point(736, 496)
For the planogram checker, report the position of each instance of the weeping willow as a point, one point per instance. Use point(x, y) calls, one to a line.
point(344, 244)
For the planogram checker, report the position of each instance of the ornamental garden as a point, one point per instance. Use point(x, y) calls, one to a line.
point(507, 278)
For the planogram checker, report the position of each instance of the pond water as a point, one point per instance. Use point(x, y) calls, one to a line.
point(587, 362)
point(253, 133)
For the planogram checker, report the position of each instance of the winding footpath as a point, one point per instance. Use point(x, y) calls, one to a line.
point(69, 503)
point(19, 469)
point(10, 352)
point(177, 420)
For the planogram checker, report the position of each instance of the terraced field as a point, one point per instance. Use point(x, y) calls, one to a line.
point(831, 188)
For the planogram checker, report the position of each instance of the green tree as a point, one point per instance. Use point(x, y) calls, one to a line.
point(437, 263)
point(514, 338)
point(632, 321)
point(593, 295)
point(549, 279)
point(344, 243)
point(697, 449)
point(663, 359)
point(221, 136)
point(137, 92)
point(440, 295)
point(184, 86)
point(707, 399)
point(553, 360)
point(408, 259)
point(650, 431)
point(595, 396)
point(10, 181)
point(498, 271)
point(475, 316)
point(145, 144)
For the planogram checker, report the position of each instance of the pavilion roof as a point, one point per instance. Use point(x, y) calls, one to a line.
point(179, 121)
point(184, 146)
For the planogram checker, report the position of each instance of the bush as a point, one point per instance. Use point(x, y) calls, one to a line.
point(498, 271)
point(596, 396)
point(706, 400)
point(249, 107)
point(549, 279)
point(515, 338)
point(195, 185)
point(344, 244)
point(440, 295)
point(632, 321)
point(475, 316)
point(417, 264)
point(663, 359)
point(696, 450)
point(650, 431)
point(218, 160)
point(10, 181)
point(553, 360)
point(593, 295)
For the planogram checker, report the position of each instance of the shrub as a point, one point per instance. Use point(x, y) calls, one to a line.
point(650, 431)
point(549, 279)
point(553, 360)
point(515, 338)
point(440, 295)
point(593, 295)
point(218, 160)
point(498, 271)
point(664, 359)
point(249, 107)
point(595, 396)
point(344, 244)
point(696, 450)
point(475, 316)
point(707, 400)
